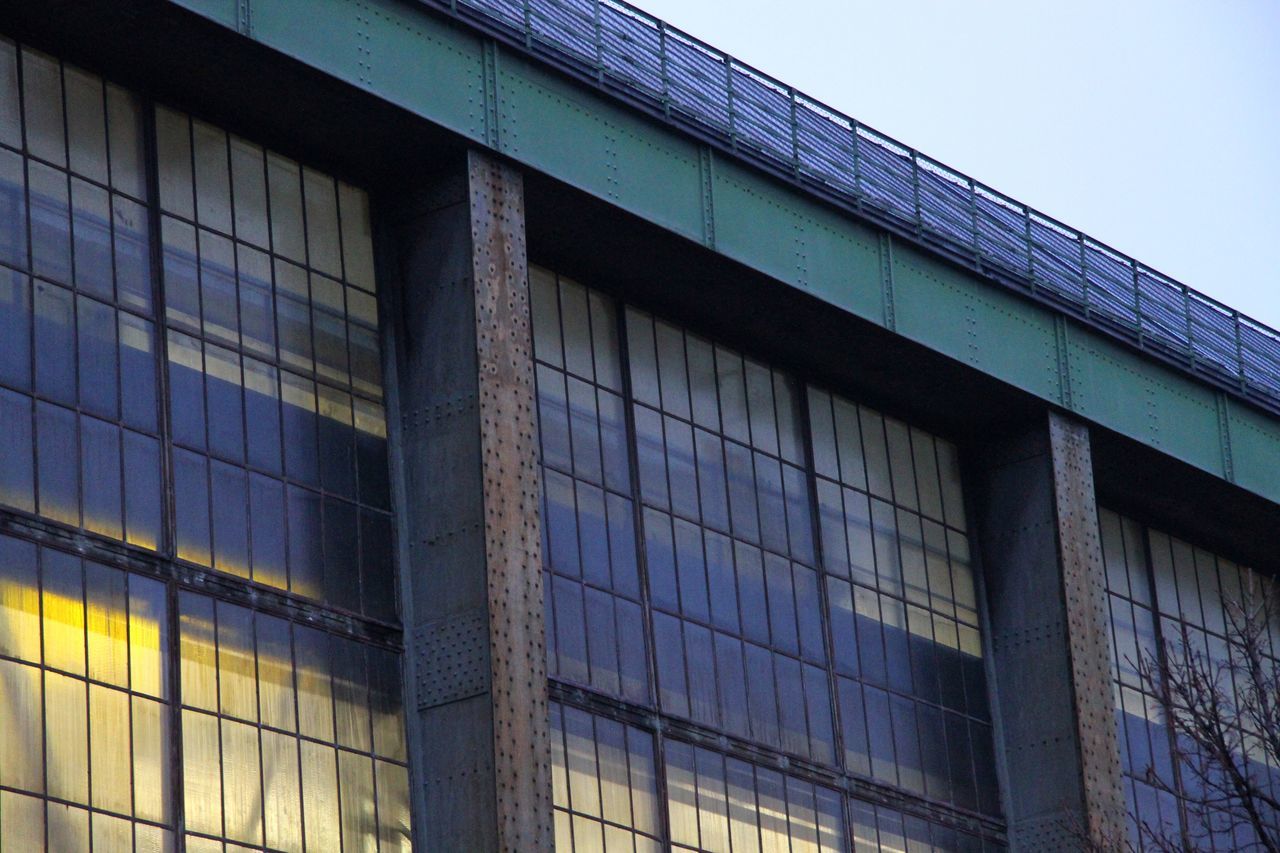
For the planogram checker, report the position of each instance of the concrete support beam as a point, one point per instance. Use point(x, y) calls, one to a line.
point(471, 577)
point(1045, 581)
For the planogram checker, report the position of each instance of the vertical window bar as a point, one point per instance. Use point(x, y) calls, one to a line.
point(803, 404)
point(642, 561)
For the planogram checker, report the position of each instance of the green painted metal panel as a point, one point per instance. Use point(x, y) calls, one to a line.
point(558, 128)
point(436, 70)
point(1254, 442)
point(323, 33)
point(428, 68)
point(989, 329)
point(807, 245)
point(1151, 403)
point(393, 50)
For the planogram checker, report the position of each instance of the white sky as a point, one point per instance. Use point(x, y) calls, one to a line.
point(1152, 125)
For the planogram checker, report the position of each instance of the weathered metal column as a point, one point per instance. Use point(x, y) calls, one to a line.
point(471, 579)
point(1046, 589)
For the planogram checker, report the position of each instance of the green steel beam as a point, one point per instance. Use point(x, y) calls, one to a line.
point(469, 84)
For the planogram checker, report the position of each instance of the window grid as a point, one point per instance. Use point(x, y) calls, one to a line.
point(765, 552)
point(309, 431)
point(79, 236)
point(587, 497)
point(968, 724)
point(80, 681)
point(78, 382)
point(329, 714)
point(90, 444)
point(717, 802)
point(1158, 586)
point(934, 734)
point(597, 798)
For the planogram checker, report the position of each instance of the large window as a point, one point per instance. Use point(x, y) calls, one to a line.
point(759, 597)
point(1169, 598)
point(255, 706)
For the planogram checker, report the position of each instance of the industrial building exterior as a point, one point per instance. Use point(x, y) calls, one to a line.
point(516, 425)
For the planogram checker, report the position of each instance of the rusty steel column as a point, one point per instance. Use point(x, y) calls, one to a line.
point(1046, 591)
point(471, 577)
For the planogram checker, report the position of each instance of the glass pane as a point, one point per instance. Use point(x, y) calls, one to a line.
point(198, 652)
point(275, 673)
point(109, 748)
point(357, 237)
point(124, 128)
point(151, 750)
point(213, 188)
point(55, 342)
point(100, 474)
point(58, 456)
point(285, 188)
point(10, 103)
point(19, 601)
point(393, 807)
point(237, 667)
point(21, 822)
point(359, 828)
point(17, 463)
point(42, 101)
point(282, 809)
point(323, 245)
point(201, 773)
point(248, 175)
point(13, 225)
point(66, 732)
point(241, 782)
point(315, 696)
point(320, 808)
point(21, 759)
point(91, 245)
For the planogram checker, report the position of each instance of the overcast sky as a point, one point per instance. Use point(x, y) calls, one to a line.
point(1152, 125)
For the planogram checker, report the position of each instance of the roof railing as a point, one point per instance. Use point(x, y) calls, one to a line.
point(630, 53)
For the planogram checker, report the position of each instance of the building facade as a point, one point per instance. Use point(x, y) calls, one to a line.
point(521, 427)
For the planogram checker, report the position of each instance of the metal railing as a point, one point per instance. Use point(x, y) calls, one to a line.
point(665, 71)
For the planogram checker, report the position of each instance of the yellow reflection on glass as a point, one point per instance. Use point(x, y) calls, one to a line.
point(359, 823)
point(152, 839)
point(315, 696)
point(111, 833)
point(198, 653)
point(148, 636)
point(970, 641)
point(241, 783)
point(371, 419)
point(66, 738)
point(107, 622)
point(275, 673)
point(195, 844)
point(237, 671)
point(319, 797)
point(109, 739)
point(201, 774)
point(150, 760)
point(282, 811)
point(68, 828)
point(21, 822)
point(19, 601)
point(63, 601)
point(393, 808)
point(21, 761)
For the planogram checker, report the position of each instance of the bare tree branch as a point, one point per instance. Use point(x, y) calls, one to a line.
point(1220, 705)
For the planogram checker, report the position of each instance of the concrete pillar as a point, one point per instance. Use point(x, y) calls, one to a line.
point(1046, 596)
point(471, 579)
